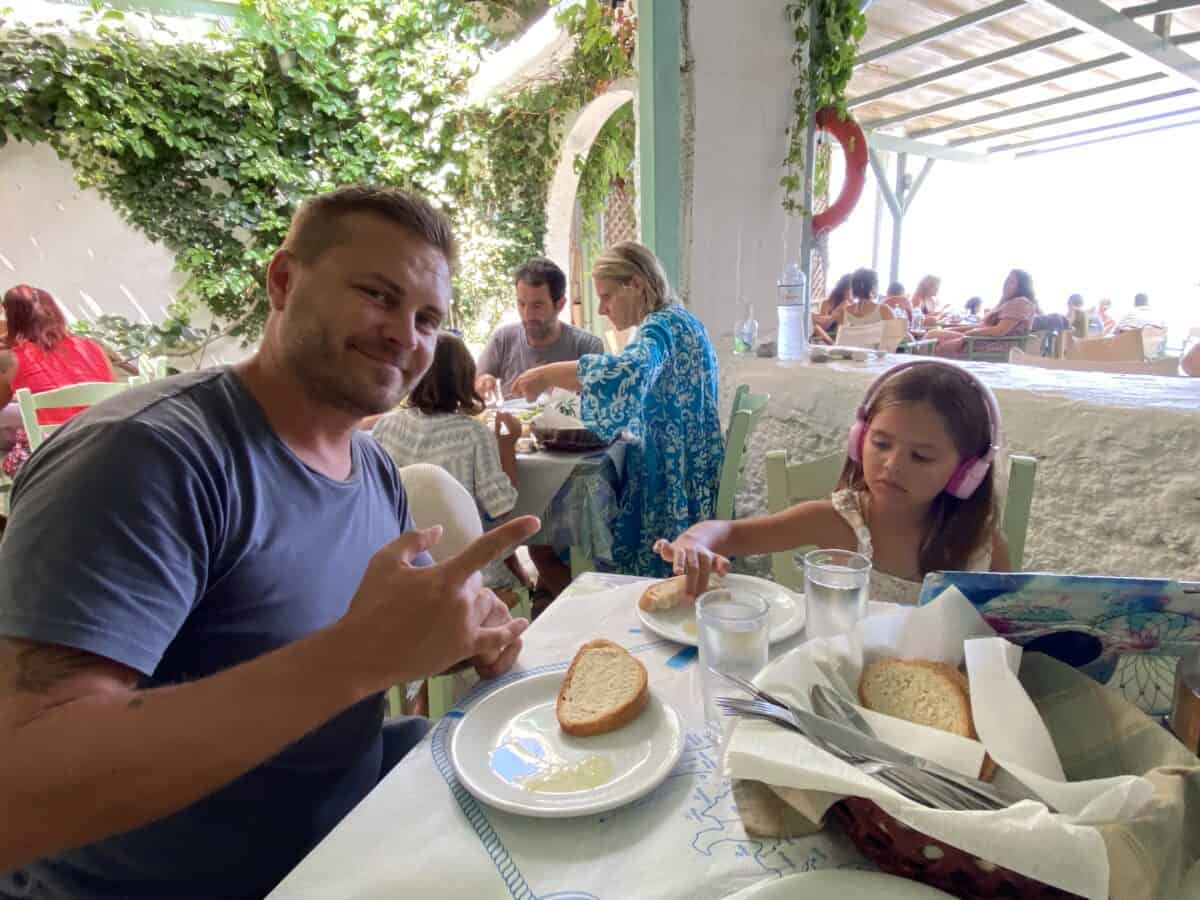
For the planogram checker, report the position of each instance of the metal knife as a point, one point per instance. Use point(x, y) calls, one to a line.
point(857, 742)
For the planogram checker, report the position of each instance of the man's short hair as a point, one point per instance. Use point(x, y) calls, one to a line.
point(315, 226)
point(896, 289)
point(539, 271)
point(1141, 300)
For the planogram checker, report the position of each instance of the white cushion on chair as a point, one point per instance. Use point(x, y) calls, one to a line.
point(436, 498)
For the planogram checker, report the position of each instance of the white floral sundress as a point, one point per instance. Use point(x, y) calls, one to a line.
point(885, 587)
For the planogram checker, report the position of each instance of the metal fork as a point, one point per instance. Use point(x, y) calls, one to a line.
point(903, 779)
point(831, 705)
point(943, 782)
point(933, 795)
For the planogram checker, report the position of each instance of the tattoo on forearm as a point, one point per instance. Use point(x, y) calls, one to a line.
point(41, 667)
point(7, 361)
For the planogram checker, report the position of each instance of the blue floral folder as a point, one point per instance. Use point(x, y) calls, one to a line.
point(1127, 633)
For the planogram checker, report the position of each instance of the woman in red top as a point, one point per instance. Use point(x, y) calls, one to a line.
point(41, 354)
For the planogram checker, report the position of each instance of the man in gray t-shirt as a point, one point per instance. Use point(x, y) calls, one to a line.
point(540, 337)
point(209, 581)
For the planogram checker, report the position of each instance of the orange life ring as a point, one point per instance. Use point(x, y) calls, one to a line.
point(854, 148)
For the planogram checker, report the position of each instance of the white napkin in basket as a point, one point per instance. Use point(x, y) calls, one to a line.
point(1058, 849)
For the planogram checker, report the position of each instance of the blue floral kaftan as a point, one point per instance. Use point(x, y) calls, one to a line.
point(662, 389)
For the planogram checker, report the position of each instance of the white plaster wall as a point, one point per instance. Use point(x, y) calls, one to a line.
point(743, 80)
point(1117, 489)
point(71, 242)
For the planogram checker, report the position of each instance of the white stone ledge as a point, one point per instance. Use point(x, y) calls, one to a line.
point(1118, 482)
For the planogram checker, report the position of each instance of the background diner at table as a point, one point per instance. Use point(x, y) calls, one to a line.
point(439, 423)
point(541, 337)
point(1012, 316)
point(40, 353)
point(662, 389)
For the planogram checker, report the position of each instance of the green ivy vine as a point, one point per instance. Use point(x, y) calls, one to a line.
point(824, 61)
point(608, 162)
point(209, 147)
point(173, 337)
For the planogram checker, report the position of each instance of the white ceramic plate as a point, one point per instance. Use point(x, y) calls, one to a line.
point(786, 613)
point(840, 884)
point(510, 753)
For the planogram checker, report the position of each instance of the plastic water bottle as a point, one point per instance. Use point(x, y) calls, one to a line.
point(745, 332)
point(795, 315)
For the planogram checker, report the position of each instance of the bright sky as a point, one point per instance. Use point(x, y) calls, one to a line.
point(1109, 220)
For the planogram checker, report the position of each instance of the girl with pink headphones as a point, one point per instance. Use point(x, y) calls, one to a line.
point(916, 494)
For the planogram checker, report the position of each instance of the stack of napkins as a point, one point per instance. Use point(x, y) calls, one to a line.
point(1060, 849)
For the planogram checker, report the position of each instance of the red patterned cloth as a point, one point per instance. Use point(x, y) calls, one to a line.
point(17, 454)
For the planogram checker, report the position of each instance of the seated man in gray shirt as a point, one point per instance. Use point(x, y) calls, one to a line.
point(207, 583)
point(540, 337)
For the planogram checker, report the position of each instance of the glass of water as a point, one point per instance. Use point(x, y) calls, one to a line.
point(731, 630)
point(836, 588)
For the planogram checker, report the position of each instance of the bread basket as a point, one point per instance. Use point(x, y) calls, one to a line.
point(900, 850)
point(572, 440)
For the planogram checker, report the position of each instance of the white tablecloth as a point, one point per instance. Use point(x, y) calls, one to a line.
point(419, 834)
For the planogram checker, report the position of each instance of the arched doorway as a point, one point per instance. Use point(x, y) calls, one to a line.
point(581, 133)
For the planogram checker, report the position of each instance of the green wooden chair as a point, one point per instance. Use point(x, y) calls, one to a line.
point(152, 368)
point(1022, 471)
point(747, 409)
point(789, 483)
point(88, 393)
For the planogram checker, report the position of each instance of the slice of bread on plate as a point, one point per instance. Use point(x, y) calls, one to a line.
point(605, 689)
point(927, 693)
point(671, 592)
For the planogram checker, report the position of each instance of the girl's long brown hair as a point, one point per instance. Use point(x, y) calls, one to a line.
point(449, 385)
point(955, 529)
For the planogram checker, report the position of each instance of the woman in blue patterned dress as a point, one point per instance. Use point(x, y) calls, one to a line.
point(662, 389)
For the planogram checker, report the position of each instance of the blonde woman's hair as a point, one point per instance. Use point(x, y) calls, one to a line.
point(622, 261)
point(928, 286)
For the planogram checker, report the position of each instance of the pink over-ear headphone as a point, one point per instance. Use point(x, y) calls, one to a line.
point(971, 471)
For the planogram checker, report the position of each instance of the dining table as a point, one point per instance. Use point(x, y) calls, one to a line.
point(420, 833)
point(576, 494)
